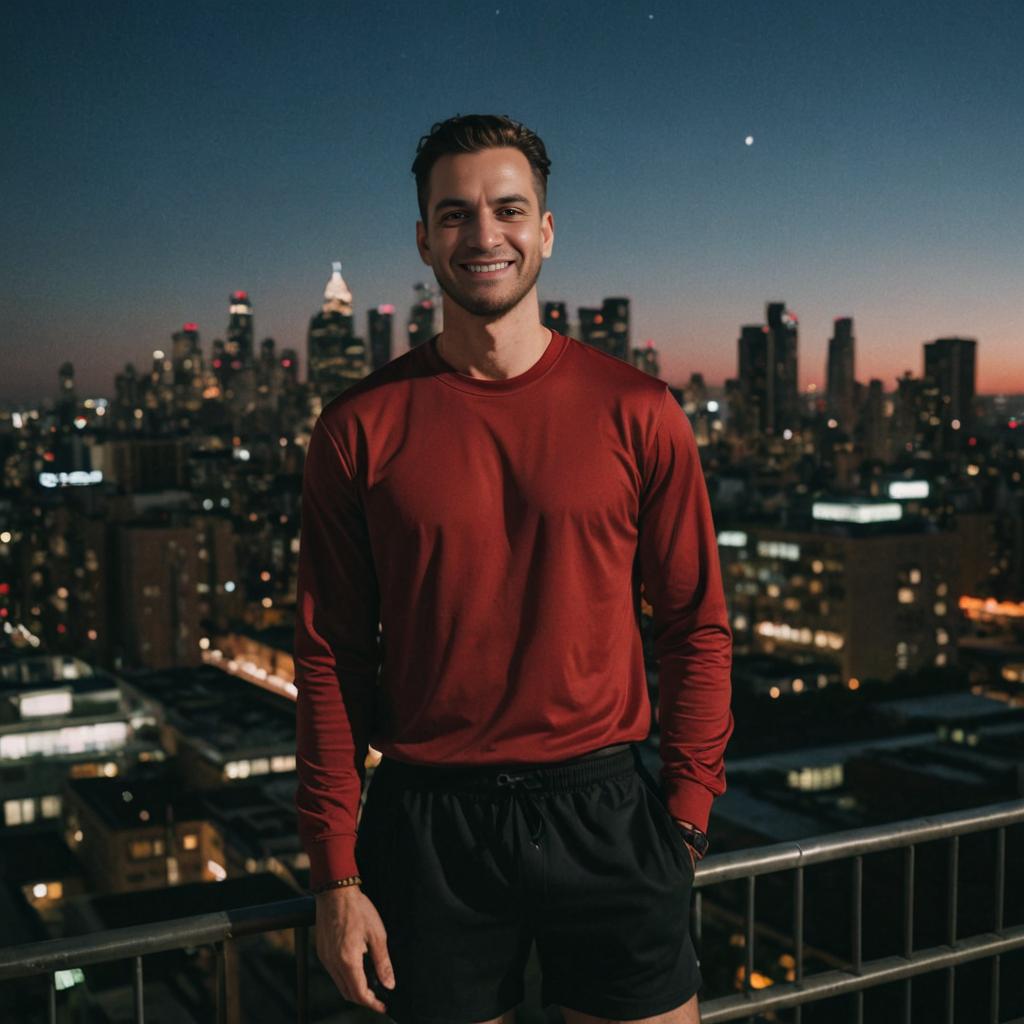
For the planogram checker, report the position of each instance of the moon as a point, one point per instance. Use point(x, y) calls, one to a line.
point(749, 140)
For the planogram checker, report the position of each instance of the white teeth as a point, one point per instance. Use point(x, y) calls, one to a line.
point(482, 268)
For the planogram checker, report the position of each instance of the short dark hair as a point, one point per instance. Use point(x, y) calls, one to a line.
point(469, 133)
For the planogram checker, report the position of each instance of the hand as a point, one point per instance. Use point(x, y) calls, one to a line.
point(347, 926)
point(689, 849)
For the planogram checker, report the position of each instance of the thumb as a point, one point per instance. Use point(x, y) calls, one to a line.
point(381, 961)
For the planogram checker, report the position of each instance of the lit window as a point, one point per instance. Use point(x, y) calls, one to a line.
point(140, 849)
point(190, 841)
point(915, 575)
point(940, 608)
point(19, 811)
point(905, 595)
point(50, 806)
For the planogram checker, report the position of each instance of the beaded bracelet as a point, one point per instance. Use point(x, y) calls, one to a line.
point(338, 883)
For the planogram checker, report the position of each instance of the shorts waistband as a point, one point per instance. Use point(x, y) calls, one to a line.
point(559, 776)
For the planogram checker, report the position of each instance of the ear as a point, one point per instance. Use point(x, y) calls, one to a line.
point(547, 233)
point(421, 242)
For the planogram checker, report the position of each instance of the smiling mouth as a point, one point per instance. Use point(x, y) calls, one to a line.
point(487, 269)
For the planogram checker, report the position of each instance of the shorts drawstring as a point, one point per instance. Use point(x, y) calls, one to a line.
point(519, 787)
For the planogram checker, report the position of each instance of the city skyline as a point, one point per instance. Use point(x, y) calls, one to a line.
point(162, 159)
point(809, 383)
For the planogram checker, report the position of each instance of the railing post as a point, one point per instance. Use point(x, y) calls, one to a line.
point(137, 999)
point(954, 865)
point(908, 926)
point(301, 974)
point(997, 917)
point(749, 940)
point(857, 932)
point(798, 936)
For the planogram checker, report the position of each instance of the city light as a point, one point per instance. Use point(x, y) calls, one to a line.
point(856, 511)
point(909, 489)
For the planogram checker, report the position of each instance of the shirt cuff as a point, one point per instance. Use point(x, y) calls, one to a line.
point(331, 859)
point(689, 801)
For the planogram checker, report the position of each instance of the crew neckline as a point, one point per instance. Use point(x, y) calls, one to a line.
point(447, 374)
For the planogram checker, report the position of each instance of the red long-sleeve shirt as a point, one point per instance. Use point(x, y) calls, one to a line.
point(498, 532)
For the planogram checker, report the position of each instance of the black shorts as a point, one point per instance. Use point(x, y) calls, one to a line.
point(469, 866)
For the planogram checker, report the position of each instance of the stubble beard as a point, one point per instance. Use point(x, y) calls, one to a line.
point(489, 307)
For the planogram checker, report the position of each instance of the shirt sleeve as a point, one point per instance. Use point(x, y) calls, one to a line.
point(336, 658)
point(682, 577)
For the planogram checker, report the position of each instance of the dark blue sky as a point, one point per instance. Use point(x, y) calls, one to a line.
point(158, 156)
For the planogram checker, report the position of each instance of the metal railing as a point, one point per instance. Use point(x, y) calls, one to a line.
point(222, 929)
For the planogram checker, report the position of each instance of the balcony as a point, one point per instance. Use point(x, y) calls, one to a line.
point(976, 923)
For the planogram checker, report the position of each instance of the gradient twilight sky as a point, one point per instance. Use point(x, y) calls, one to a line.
point(160, 155)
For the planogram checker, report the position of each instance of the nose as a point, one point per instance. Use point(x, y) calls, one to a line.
point(484, 231)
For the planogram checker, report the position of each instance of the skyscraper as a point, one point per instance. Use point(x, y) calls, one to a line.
point(186, 356)
point(336, 356)
point(753, 379)
point(380, 331)
point(421, 325)
point(239, 345)
point(646, 359)
point(616, 315)
point(949, 364)
point(556, 317)
point(783, 399)
point(840, 373)
point(593, 329)
point(607, 328)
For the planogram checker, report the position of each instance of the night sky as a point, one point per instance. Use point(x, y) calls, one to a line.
point(158, 156)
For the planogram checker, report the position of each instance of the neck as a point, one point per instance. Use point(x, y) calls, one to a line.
point(493, 349)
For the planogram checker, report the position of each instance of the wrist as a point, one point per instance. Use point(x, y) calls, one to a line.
point(348, 885)
point(694, 837)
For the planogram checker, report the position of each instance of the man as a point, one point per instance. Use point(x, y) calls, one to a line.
point(492, 501)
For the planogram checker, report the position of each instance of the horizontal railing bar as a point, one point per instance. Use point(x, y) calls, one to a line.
point(204, 929)
point(882, 971)
point(158, 937)
point(764, 860)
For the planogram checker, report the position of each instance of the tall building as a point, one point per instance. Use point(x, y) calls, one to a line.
point(593, 328)
point(157, 620)
point(422, 316)
point(768, 372)
point(876, 596)
point(949, 365)
point(555, 316)
point(646, 359)
point(783, 396)
point(753, 380)
point(336, 356)
point(840, 374)
point(187, 372)
point(607, 328)
point(380, 331)
point(238, 348)
point(616, 315)
point(874, 427)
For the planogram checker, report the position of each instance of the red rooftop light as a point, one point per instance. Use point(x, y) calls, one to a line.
point(386, 308)
point(190, 327)
point(243, 296)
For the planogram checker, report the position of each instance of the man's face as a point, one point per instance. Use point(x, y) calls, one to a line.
point(485, 236)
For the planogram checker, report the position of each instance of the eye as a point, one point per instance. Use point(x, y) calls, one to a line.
point(453, 213)
point(511, 210)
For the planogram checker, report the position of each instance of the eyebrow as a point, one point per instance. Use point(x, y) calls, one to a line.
point(463, 204)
